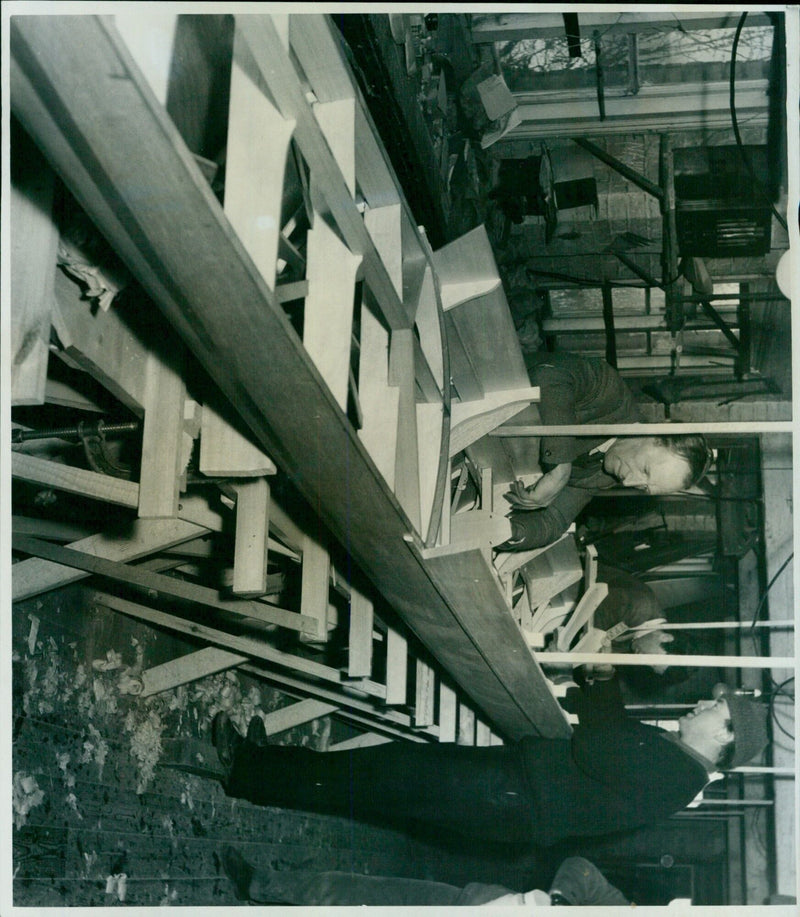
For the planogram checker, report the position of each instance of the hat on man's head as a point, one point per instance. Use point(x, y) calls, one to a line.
point(749, 723)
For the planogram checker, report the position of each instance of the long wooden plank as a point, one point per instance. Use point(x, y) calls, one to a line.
point(248, 348)
point(188, 668)
point(466, 578)
point(157, 584)
point(328, 316)
point(144, 536)
point(74, 480)
point(296, 715)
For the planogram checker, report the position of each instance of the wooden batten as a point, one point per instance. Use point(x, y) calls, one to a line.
point(188, 668)
point(74, 480)
point(142, 537)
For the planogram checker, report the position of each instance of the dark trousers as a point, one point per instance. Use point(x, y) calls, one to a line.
point(465, 791)
point(316, 889)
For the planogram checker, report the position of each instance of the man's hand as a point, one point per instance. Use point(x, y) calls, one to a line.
point(653, 641)
point(522, 497)
point(543, 492)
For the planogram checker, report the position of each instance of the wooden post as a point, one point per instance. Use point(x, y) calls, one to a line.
point(251, 548)
point(396, 667)
point(162, 437)
point(315, 577)
point(425, 696)
point(447, 713)
point(359, 655)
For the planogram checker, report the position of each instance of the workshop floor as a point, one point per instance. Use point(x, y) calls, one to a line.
point(93, 801)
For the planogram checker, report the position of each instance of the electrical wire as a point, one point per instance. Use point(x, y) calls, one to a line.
point(773, 715)
point(766, 592)
point(735, 123)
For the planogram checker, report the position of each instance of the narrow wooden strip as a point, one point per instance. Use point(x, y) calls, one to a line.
point(297, 714)
point(164, 585)
point(365, 740)
point(74, 480)
point(188, 668)
point(144, 536)
point(654, 659)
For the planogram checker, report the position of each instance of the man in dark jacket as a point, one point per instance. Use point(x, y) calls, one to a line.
point(578, 390)
point(613, 773)
point(577, 882)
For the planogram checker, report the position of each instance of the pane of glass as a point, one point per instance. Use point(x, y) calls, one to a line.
point(537, 64)
point(674, 56)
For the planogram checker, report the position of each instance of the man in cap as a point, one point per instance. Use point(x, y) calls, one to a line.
point(575, 391)
point(613, 773)
point(577, 882)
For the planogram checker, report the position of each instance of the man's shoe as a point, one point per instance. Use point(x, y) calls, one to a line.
point(239, 871)
point(225, 739)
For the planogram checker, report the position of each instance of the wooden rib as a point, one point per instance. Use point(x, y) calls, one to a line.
point(328, 317)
